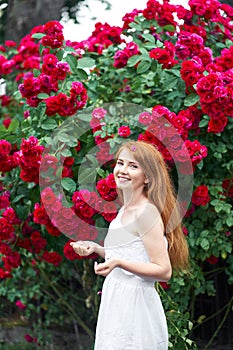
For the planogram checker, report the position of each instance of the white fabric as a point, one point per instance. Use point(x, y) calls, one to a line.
point(131, 316)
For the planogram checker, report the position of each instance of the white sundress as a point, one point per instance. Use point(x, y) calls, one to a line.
point(131, 315)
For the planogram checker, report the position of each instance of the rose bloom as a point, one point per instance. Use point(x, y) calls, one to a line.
point(52, 258)
point(227, 184)
point(120, 59)
point(69, 251)
point(24, 243)
point(110, 180)
point(38, 242)
point(102, 187)
point(4, 200)
point(6, 230)
point(5, 249)
point(20, 305)
point(164, 285)
point(212, 260)
point(201, 196)
point(145, 118)
point(217, 125)
point(109, 211)
point(124, 131)
point(52, 230)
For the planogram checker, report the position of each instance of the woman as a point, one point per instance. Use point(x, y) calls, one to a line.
point(144, 243)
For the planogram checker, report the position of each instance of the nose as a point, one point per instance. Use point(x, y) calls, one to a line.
point(124, 169)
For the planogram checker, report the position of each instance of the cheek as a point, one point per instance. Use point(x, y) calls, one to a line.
point(114, 171)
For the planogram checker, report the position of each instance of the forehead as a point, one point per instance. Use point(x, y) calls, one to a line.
point(125, 154)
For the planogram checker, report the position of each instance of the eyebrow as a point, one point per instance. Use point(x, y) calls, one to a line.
point(130, 162)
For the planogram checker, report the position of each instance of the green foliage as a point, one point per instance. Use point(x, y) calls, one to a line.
point(69, 292)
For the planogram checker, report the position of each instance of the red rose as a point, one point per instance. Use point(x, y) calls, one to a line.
point(110, 180)
point(4, 200)
point(6, 230)
point(120, 59)
point(109, 211)
point(212, 260)
point(145, 118)
point(40, 215)
point(217, 125)
point(164, 285)
point(20, 305)
point(69, 251)
point(52, 258)
point(124, 131)
point(102, 187)
point(201, 195)
point(52, 230)
point(227, 184)
point(38, 242)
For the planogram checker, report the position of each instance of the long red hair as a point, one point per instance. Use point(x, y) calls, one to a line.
point(160, 191)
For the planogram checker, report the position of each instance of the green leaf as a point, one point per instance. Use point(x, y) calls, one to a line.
point(149, 46)
point(68, 184)
point(13, 125)
point(81, 74)
point(17, 198)
point(69, 49)
point(38, 35)
point(49, 124)
point(86, 62)
point(42, 95)
point(203, 123)
point(169, 28)
point(205, 244)
point(159, 43)
point(66, 153)
point(134, 60)
point(229, 221)
point(144, 53)
point(85, 117)
point(22, 212)
point(217, 155)
point(143, 66)
point(170, 83)
point(191, 100)
point(62, 137)
point(149, 38)
point(11, 138)
point(87, 176)
point(72, 61)
point(60, 54)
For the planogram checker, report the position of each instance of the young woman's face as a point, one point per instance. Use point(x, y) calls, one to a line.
point(127, 172)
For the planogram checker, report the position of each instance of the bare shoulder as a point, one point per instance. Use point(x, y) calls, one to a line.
point(148, 217)
point(147, 211)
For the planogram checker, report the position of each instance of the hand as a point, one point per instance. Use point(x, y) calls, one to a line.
point(105, 268)
point(83, 248)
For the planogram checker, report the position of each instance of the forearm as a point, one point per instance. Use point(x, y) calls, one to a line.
point(99, 250)
point(150, 270)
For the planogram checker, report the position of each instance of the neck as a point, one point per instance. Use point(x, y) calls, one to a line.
point(133, 199)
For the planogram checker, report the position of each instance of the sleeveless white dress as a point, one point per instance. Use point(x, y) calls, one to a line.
point(131, 316)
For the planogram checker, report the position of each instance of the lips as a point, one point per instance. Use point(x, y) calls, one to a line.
point(122, 178)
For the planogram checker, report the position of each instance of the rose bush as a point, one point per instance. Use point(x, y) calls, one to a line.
point(176, 63)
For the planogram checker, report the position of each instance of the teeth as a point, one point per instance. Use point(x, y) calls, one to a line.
point(123, 179)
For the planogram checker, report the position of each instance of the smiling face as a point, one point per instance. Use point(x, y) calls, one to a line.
point(128, 173)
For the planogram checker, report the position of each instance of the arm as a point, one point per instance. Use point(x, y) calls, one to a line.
point(158, 269)
point(85, 248)
point(152, 233)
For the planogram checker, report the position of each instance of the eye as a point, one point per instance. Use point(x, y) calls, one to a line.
point(134, 166)
point(119, 162)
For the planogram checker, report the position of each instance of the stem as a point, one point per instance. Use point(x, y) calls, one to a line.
point(210, 317)
point(69, 307)
point(219, 269)
point(221, 324)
